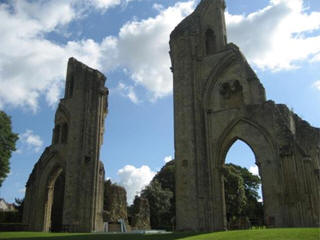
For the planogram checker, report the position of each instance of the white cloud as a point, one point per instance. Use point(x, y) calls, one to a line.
point(142, 47)
point(134, 179)
point(254, 170)
point(316, 58)
point(316, 85)
point(167, 159)
point(277, 36)
point(157, 6)
point(31, 141)
point(105, 4)
point(273, 38)
point(127, 91)
point(31, 66)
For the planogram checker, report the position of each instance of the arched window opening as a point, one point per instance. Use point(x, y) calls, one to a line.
point(64, 134)
point(242, 186)
point(210, 42)
point(56, 134)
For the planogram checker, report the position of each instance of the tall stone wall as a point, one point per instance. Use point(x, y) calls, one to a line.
point(74, 157)
point(218, 99)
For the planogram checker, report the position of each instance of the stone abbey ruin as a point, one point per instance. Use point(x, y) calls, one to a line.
point(218, 99)
point(65, 189)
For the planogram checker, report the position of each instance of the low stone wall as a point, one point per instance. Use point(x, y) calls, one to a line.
point(10, 217)
point(6, 227)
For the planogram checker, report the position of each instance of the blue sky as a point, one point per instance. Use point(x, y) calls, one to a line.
point(128, 42)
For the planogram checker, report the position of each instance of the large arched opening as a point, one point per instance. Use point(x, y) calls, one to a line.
point(261, 145)
point(57, 204)
point(242, 187)
point(53, 217)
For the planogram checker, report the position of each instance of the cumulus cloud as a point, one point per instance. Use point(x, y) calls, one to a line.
point(134, 179)
point(31, 65)
point(316, 85)
point(254, 170)
point(143, 48)
point(167, 159)
point(278, 36)
point(31, 141)
point(316, 58)
point(273, 38)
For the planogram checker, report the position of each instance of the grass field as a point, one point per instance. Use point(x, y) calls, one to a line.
point(263, 234)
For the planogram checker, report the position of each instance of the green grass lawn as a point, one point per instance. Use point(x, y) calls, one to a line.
point(261, 234)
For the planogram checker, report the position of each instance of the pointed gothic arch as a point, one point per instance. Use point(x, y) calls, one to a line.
point(54, 189)
point(262, 145)
point(210, 42)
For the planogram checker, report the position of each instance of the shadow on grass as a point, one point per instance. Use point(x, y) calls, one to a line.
point(169, 236)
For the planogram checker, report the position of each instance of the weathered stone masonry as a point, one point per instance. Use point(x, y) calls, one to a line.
point(218, 99)
point(65, 189)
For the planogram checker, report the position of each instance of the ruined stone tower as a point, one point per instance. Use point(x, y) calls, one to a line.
point(65, 189)
point(218, 99)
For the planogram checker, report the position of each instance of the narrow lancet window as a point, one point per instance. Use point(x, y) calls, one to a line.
point(71, 87)
point(64, 135)
point(56, 134)
point(210, 42)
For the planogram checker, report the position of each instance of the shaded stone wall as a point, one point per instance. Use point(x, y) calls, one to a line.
point(140, 219)
point(218, 99)
point(75, 150)
point(115, 202)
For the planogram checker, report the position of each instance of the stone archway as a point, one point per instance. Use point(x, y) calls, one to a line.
point(58, 204)
point(53, 206)
point(242, 187)
point(263, 148)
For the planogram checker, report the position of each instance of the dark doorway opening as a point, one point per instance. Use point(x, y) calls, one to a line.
point(57, 204)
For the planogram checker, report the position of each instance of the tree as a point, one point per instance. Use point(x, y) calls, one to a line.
point(160, 204)
point(253, 209)
point(235, 197)
point(7, 145)
point(241, 194)
point(166, 176)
